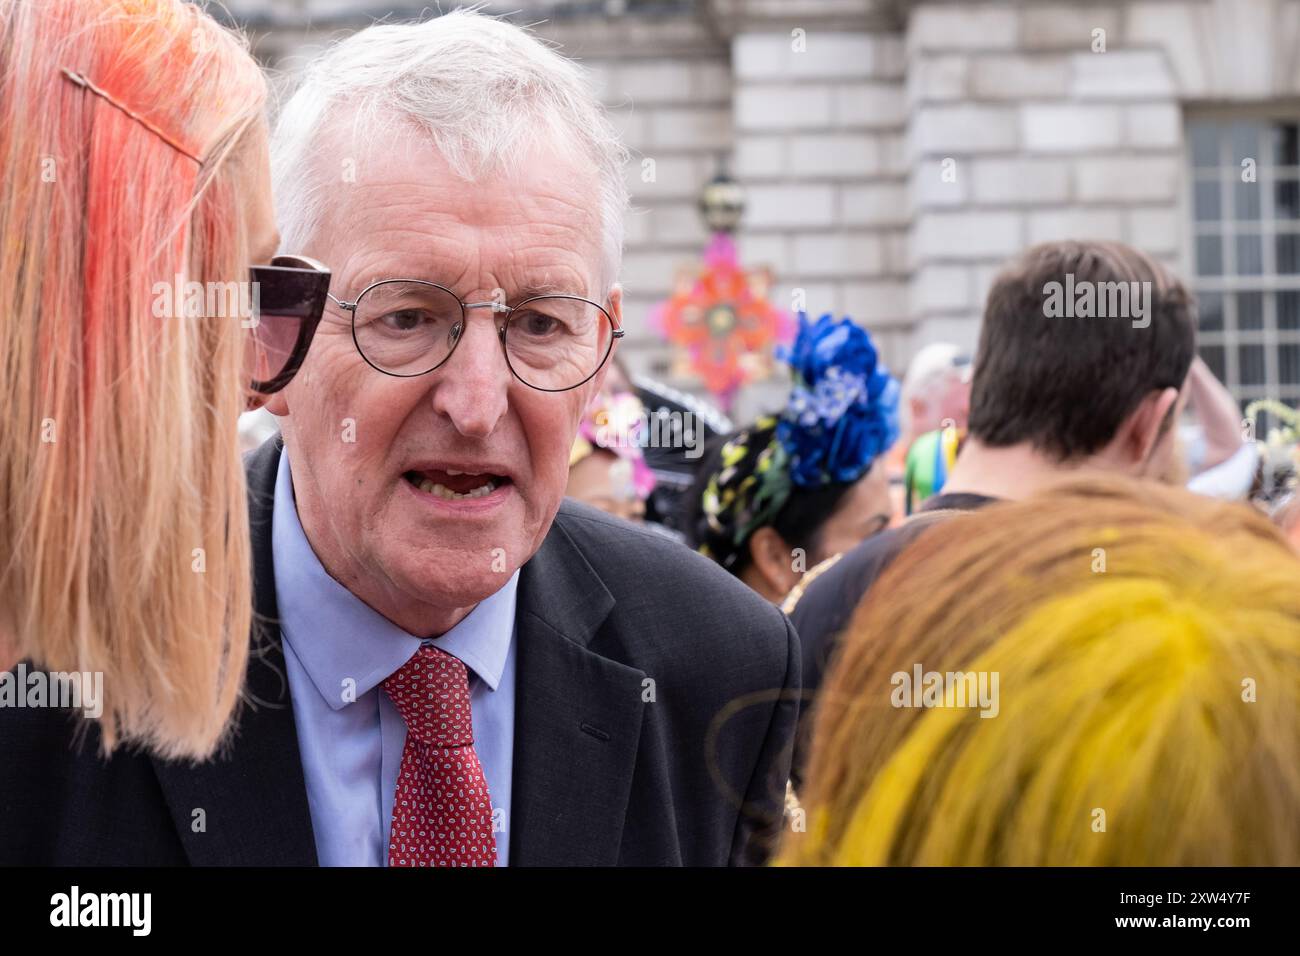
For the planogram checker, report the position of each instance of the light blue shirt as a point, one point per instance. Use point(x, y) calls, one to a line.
point(338, 651)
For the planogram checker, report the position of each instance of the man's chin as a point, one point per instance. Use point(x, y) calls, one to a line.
point(436, 560)
point(459, 590)
point(457, 573)
point(433, 596)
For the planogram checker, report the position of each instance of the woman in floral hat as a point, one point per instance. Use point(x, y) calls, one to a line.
point(794, 489)
point(606, 467)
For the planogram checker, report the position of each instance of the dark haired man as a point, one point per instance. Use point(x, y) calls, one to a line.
point(1064, 385)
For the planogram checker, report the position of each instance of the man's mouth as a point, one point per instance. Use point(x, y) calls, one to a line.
point(453, 485)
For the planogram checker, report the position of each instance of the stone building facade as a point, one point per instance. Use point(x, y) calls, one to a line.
point(895, 153)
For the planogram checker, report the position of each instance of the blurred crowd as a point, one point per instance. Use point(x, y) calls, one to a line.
point(1080, 508)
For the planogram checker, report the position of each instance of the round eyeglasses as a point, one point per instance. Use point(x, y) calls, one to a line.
point(409, 327)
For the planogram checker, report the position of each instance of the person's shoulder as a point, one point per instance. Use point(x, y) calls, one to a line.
point(856, 569)
point(833, 595)
point(598, 528)
point(827, 603)
point(679, 590)
point(633, 555)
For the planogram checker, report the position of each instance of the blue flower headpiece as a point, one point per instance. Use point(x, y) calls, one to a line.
point(841, 416)
point(843, 412)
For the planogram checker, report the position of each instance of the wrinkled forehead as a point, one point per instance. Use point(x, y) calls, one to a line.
point(525, 212)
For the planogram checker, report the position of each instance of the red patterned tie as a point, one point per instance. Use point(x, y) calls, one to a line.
point(442, 814)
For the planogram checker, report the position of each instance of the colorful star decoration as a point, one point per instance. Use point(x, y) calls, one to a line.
point(722, 322)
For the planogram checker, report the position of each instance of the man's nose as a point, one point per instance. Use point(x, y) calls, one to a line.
point(474, 383)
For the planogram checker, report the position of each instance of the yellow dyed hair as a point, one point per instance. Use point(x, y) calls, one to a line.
point(1147, 643)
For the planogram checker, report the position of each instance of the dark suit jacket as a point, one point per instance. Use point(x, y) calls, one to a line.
point(603, 774)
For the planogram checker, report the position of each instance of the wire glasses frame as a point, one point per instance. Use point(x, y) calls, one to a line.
point(455, 334)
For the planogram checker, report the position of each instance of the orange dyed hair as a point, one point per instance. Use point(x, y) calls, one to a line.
point(1124, 619)
point(122, 502)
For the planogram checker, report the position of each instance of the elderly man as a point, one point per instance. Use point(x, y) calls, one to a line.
point(456, 666)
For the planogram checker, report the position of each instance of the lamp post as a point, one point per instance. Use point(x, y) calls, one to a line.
point(722, 202)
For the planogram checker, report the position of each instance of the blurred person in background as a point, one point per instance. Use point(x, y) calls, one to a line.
point(929, 462)
point(681, 426)
point(133, 158)
point(1209, 453)
point(789, 491)
point(936, 390)
point(606, 467)
point(1216, 457)
point(1053, 397)
point(1129, 662)
point(935, 397)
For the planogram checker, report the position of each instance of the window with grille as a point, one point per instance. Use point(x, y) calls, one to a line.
point(1246, 253)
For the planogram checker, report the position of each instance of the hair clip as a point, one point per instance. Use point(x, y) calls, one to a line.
point(81, 80)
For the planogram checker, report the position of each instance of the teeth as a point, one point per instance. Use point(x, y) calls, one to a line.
point(446, 494)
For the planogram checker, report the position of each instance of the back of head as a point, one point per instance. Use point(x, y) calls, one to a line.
point(121, 492)
point(1142, 645)
point(1075, 335)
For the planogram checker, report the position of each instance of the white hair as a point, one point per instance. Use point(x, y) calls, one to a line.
point(932, 363)
point(485, 91)
point(928, 370)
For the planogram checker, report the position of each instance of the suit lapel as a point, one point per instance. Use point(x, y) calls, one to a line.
point(253, 796)
point(577, 717)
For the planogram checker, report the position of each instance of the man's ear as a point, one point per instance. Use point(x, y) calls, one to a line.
point(1140, 432)
point(616, 313)
point(770, 556)
point(616, 305)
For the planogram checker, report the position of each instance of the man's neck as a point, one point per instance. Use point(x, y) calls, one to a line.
point(417, 618)
point(1014, 472)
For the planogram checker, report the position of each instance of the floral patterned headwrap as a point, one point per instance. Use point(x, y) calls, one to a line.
point(841, 416)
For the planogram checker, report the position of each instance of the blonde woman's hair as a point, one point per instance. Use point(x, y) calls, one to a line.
point(1147, 647)
point(122, 503)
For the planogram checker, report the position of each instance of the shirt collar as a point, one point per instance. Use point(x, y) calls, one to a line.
point(339, 638)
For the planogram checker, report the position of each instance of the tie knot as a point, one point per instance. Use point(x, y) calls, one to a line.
point(431, 692)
